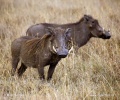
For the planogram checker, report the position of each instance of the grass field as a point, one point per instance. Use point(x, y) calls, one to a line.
point(94, 74)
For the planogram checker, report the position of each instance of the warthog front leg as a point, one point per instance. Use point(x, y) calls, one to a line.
point(14, 65)
point(22, 69)
point(51, 70)
point(41, 72)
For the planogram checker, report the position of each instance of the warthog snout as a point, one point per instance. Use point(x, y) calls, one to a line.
point(61, 52)
point(106, 35)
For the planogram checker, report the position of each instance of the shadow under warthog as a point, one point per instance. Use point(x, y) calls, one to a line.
point(82, 30)
point(39, 52)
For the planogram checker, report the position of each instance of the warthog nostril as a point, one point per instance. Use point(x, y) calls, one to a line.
point(104, 36)
point(63, 53)
point(108, 37)
point(62, 56)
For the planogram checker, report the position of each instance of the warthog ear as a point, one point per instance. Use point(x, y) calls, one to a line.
point(86, 18)
point(51, 32)
point(68, 32)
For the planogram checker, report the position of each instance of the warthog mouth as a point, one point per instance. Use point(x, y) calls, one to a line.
point(94, 35)
point(55, 51)
point(106, 35)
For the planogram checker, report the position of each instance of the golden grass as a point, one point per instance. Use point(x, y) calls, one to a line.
point(94, 74)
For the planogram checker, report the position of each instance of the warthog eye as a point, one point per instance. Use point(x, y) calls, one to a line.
point(56, 47)
point(93, 22)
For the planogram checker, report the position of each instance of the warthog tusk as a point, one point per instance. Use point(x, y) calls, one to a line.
point(103, 28)
point(54, 49)
point(70, 49)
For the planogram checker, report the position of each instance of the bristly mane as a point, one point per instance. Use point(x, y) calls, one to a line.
point(33, 45)
point(49, 24)
point(76, 23)
point(82, 19)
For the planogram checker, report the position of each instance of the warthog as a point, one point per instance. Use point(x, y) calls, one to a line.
point(82, 30)
point(39, 52)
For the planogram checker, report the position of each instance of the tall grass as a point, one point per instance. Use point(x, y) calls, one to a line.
point(91, 74)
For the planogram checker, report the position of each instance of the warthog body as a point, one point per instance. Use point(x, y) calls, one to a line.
point(82, 30)
point(39, 52)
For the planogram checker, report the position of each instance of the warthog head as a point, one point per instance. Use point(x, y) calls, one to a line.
point(95, 29)
point(60, 41)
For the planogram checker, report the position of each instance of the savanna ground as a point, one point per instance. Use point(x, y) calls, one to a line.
point(91, 74)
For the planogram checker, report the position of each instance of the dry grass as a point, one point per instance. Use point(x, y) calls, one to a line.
point(93, 75)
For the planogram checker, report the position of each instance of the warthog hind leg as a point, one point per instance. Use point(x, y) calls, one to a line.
point(14, 65)
point(22, 69)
